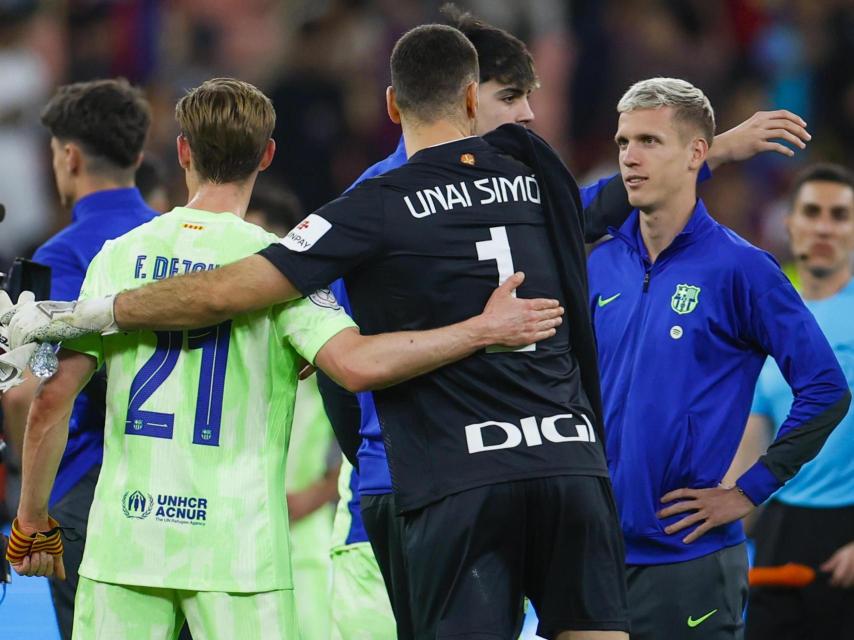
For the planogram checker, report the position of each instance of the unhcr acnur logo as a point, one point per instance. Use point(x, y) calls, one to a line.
point(136, 504)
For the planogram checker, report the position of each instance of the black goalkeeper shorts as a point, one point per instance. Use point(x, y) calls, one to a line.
point(474, 555)
point(385, 531)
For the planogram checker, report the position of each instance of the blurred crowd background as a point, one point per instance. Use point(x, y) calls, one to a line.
point(324, 63)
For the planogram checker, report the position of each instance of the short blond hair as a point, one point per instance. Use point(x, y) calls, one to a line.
point(690, 105)
point(227, 123)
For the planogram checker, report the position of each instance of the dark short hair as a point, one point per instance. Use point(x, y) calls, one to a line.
point(228, 123)
point(821, 172)
point(109, 119)
point(431, 66)
point(501, 55)
point(280, 206)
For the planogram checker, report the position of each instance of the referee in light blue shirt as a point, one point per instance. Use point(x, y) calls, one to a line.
point(811, 519)
point(97, 132)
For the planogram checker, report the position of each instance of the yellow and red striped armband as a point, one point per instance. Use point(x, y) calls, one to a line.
point(22, 545)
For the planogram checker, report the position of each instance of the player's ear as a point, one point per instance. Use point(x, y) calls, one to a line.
point(391, 105)
point(471, 100)
point(267, 156)
point(699, 151)
point(184, 154)
point(73, 158)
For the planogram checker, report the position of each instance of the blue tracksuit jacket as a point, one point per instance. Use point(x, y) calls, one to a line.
point(681, 343)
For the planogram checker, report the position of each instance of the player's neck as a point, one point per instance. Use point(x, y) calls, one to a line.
point(815, 287)
point(660, 225)
point(89, 184)
point(229, 197)
point(420, 136)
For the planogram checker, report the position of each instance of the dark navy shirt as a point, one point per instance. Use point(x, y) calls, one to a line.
point(373, 472)
point(422, 247)
point(96, 218)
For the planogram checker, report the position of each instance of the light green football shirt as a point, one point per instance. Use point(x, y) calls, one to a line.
point(311, 438)
point(343, 519)
point(191, 493)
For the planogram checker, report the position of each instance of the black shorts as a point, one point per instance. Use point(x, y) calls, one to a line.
point(786, 533)
point(472, 556)
point(385, 531)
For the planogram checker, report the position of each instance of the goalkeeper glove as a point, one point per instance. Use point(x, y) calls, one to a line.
point(50, 321)
point(12, 361)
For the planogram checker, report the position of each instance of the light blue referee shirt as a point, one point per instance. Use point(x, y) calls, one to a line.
point(828, 480)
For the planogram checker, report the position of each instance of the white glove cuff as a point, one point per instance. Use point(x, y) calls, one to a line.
point(102, 310)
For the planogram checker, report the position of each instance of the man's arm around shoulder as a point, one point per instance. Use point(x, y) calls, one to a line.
point(204, 298)
point(360, 363)
point(184, 302)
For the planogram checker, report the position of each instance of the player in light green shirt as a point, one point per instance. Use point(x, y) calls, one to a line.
point(189, 518)
point(197, 422)
point(361, 609)
point(311, 487)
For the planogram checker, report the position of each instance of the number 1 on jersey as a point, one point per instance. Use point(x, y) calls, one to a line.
point(498, 249)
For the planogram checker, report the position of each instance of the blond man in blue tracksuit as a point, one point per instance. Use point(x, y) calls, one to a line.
point(685, 313)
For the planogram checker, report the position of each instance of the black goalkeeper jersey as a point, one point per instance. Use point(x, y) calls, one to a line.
point(422, 247)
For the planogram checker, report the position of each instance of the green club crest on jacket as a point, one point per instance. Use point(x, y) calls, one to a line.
point(685, 299)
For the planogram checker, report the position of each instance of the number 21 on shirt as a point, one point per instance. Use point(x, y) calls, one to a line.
point(213, 341)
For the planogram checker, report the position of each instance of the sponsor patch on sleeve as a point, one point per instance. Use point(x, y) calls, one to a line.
point(325, 298)
point(303, 236)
